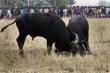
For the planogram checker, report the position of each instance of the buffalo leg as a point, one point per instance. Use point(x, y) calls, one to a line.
point(87, 47)
point(82, 50)
point(20, 41)
point(49, 47)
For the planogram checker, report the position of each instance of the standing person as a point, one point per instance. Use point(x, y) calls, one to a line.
point(50, 10)
point(55, 10)
point(22, 11)
point(77, 10)
point(82, 11)
point(87, 11)
point(0, 12)
point(60, 11)
point(32, 10)
point(4, 12)
point(108, 11)
point(69, 11)
point(90, 11)
point(9, 14)
point(74, 10)
point(103, 12)
point(12, 12)
point(65, 12)
point(46, 10)
point(40, 10)
point(17, 11)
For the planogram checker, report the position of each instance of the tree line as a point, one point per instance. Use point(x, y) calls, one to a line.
point(37, 2)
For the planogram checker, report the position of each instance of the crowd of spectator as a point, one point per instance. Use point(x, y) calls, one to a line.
point(88, 11)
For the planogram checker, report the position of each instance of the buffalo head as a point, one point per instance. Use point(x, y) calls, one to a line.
point(77, 46)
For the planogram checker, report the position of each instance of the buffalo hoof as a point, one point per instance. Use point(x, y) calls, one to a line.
point(47, 53)
point(21, 55)
point(89, 53)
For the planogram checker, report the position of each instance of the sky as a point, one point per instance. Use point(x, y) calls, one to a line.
point(88, 2)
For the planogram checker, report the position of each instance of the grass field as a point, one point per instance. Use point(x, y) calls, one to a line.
point(36, 62)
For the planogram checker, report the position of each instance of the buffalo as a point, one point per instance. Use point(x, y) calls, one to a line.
point(46, 25)
point(78, 29)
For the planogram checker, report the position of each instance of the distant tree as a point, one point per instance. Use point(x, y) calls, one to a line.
point(12, 2)
point(61, 2)
point(69, 2)
point(102, 3)
point(37, 2)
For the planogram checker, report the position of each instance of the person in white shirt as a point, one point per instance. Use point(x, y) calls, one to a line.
point(9, 14)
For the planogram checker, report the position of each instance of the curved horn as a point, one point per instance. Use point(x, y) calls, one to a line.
point(76, 38)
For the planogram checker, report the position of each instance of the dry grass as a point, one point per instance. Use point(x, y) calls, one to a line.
point(36, 62)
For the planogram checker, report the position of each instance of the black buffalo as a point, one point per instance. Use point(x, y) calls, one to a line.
point(78, 29)
point(46, 25)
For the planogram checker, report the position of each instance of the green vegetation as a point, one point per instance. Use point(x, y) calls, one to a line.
point(37, 2)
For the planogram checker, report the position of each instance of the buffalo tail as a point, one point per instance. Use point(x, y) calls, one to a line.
point(7, 26)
